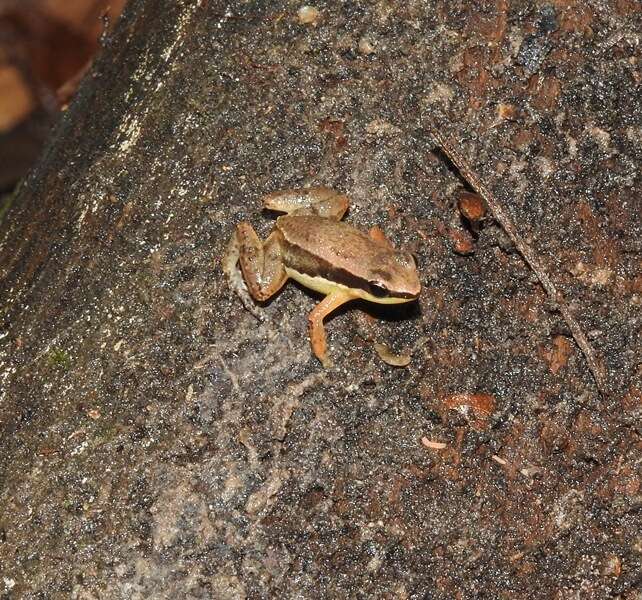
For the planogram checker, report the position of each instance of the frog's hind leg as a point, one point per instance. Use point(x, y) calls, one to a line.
point(260, 262)
point(315, 321)
point(320, 201)
point(261, 266)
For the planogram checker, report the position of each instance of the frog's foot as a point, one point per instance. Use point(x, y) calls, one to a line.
point(235, 278)
point(241, 291)
point(261, 267)
point(315, 324)
point(320, 201)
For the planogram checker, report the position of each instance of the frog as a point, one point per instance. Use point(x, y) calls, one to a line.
point(313, 246)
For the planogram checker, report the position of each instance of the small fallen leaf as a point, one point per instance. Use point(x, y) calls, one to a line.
point(471, 206)
point(481, 405)
point(387, 356)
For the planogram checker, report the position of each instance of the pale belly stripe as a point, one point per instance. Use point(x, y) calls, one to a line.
point(324, 286)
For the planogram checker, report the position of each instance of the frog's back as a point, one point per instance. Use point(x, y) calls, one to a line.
point(314, 242)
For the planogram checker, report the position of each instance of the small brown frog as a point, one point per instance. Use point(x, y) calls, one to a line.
point(311, 245)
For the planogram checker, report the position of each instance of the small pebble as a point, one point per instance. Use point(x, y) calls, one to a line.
point(365, 46)
point(308, 15)
point(507, 112)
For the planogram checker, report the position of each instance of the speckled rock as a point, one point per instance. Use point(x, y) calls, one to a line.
point(156, 441)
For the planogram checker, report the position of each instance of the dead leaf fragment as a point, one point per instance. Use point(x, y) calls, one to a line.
point(462, 242)
point(335, 129)
point(471, 206)
point(387, 356)
point(481, 406)
point(557, 357)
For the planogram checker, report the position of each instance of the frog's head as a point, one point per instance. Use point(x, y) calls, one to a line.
point(394, 279)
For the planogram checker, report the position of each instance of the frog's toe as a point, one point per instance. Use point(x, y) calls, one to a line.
point(257, 313)
point(326, 362)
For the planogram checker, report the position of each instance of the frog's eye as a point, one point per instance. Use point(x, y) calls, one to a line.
point(378, 290)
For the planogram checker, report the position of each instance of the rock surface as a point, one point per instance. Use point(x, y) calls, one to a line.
point(157, 442)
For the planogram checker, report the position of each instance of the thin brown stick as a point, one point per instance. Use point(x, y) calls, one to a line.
point(527, 253)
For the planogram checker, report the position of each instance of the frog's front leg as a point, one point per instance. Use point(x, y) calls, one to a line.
point(315, 320)
point(320, 201)
point(261, 265)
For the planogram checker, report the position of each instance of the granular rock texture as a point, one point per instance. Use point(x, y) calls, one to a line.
point(157, 441)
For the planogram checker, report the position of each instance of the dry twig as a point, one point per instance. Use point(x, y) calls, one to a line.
point(527, 253)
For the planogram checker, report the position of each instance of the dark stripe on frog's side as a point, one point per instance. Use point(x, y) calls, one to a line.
point(309, 264)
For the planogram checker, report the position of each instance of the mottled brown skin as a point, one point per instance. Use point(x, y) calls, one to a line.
point(311, 245)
